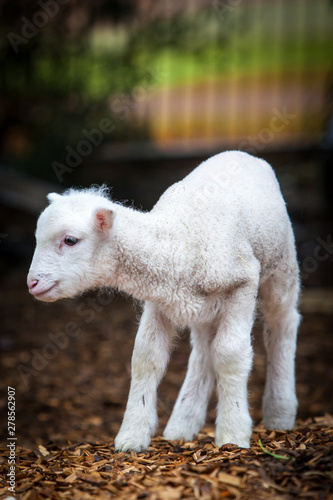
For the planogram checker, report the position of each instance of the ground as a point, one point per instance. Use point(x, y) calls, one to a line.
point(69, 363)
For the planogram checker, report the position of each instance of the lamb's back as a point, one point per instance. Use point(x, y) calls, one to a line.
point(227, 184)
point(232, 201)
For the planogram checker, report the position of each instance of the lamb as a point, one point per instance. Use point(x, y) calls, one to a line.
point(216, 248)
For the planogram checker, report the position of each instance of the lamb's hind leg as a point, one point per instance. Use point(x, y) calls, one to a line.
point(232, 358)
point(189, 413)
point(279, 298)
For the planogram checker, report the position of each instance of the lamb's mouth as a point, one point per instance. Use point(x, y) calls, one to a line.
point(46, 295)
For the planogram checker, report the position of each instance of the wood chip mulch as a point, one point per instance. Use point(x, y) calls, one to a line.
point(279, 465)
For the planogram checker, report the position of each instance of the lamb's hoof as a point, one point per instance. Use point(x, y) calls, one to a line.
point(178, 434)
point(127, 442)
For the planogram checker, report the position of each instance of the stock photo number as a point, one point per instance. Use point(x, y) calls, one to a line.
point(11, 411)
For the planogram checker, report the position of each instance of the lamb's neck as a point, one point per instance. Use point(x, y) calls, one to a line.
point(143, 255)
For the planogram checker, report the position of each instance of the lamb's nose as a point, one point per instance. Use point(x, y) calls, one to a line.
point(32, 284)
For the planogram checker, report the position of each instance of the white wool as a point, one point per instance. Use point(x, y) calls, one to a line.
point(216, 246)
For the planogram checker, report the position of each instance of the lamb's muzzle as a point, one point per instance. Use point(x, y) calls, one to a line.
point(32, 283)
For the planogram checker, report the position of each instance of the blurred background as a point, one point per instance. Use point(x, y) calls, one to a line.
point(135, 94)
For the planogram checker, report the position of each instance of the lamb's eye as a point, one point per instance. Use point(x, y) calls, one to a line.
point(70, 241)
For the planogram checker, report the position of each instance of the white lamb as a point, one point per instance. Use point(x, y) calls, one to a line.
point(216, 245)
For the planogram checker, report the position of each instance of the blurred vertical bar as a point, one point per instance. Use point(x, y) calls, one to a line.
point(163, 123)
point(189, 125)
point(277, 86)
point(325, 76)
point(254, 72)
point(211, 84)
point(237, 41)
point(301, 97)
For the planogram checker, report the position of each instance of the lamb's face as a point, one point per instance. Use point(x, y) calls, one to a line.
point(70, 234)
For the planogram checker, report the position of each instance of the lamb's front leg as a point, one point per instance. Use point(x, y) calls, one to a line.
point(149, 362)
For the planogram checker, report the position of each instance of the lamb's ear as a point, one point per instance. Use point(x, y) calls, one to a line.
point(103, 219)
point(53, 197)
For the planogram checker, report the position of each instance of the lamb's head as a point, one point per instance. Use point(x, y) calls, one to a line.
point(73, 241)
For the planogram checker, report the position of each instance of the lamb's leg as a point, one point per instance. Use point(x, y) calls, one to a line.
point(149, 362)
point(281, 320)
point(189, 413)
point(232, 357)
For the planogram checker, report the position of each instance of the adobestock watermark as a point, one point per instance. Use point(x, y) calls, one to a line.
point(277, 124)
point(92, 139)
point(123, 104)
point(224, 7)
point(30, 27)
point(322, 252)
point(57, 342)
point(121, 107)
point(253, 144)
point(217, 179)
point(11, 444)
